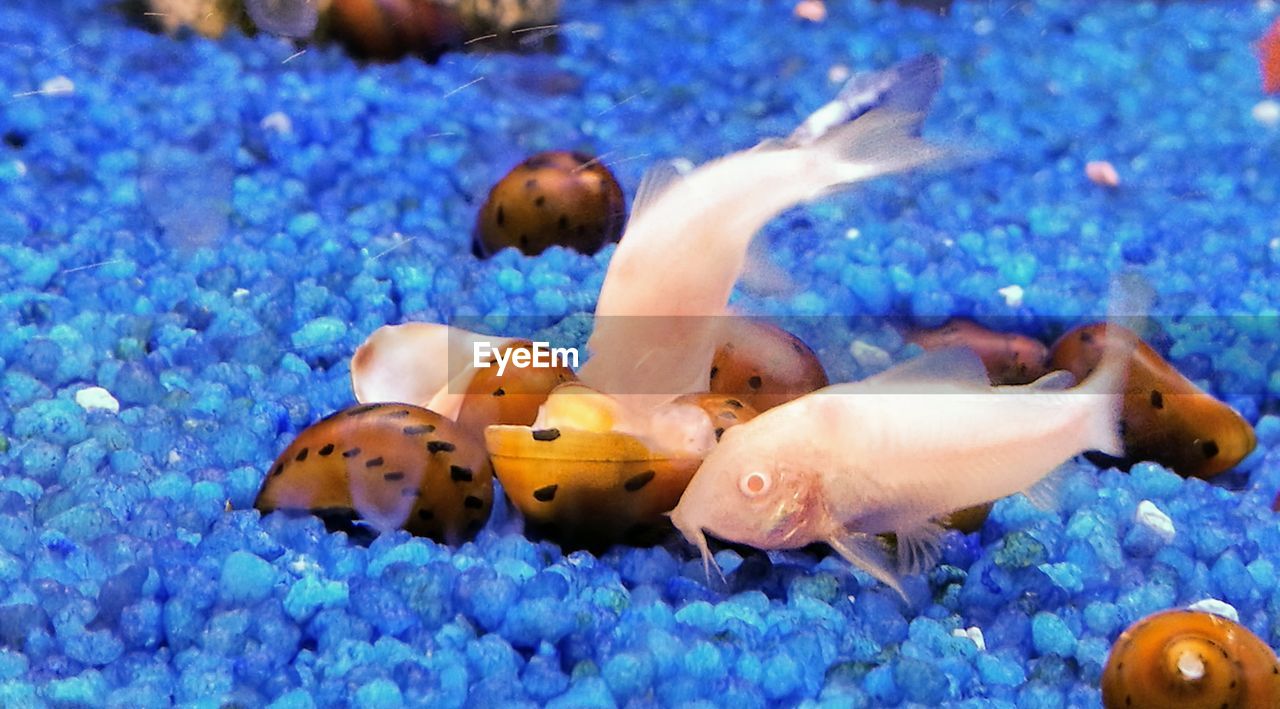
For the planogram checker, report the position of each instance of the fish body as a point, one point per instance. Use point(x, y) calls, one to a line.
point(894, 453)
point(686, 244)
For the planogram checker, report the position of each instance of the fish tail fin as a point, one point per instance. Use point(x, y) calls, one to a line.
point(872, 127)
point(1130, 301)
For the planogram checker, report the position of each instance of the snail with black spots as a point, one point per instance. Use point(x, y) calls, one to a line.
point(764, 365)
point(1167, 418)
point(580, 478)
point(383, 467)
point(555, 198)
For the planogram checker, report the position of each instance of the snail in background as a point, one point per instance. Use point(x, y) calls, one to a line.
point(1190, 659)
point(1010, 358)
point(554, 198)
point(387, 30)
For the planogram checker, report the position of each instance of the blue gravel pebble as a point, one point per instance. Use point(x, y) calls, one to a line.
point(246, 578)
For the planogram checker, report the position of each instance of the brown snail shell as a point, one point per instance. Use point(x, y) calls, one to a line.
point(1009, 358)
point(1167, 418)
point(388, 466)
point(591, 487)
point(387, 30)
point(512, 397)
point(1190, 660)
point(555, 198)
point(763, 365)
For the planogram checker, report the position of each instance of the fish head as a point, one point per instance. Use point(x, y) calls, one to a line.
point(750, 493)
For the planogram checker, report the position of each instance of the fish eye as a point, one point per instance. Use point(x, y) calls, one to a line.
point(755, 483)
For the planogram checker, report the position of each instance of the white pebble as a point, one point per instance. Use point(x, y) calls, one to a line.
point(58, 86)
point(838, 73)
point(852, 234)
point(984, 27)
point(1012, 295)
point(239, 293)
point(1267, 112)
point(870, 356)
point(278, 122)
point(1216, 607)
point(974, 634)
point(1153, 518)
point(97, 399)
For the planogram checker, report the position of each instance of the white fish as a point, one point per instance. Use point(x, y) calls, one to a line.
point(669, 280)
point(897, 451)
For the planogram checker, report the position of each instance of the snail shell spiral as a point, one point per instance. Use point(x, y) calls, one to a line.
point(1190, 659)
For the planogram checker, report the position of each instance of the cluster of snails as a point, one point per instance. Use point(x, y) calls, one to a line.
point(554, 444)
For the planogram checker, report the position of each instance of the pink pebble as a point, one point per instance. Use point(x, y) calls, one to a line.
point(811, 10)
point(1102, 173)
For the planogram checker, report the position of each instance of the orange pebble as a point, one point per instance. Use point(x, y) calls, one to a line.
point(1190, 660)
point(1009, 358)
point(1166, 418)
point(763, 365)
point(1269, 58)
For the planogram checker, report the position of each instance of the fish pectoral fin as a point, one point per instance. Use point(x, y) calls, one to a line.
point(1046, 492)
point(866, 552)
point(919, 548)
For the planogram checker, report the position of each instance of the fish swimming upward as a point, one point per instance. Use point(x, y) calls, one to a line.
point(895, 452)
point(669, 280)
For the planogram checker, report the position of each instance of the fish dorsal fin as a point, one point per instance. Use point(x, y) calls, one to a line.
point(949, 365)
point(1059, 380)
point(656, 181)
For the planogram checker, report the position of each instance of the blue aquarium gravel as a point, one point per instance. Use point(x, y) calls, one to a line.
point(207, 229)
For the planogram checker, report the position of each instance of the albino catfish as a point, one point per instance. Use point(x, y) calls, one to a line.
point(670, 278)
point(895, 452)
